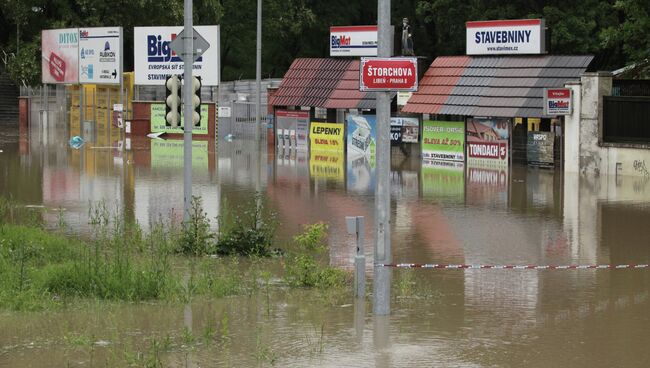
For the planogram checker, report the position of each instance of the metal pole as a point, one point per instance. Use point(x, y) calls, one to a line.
point(258, 72)
point(381, 289)
point(188, 60)
point(360, 260)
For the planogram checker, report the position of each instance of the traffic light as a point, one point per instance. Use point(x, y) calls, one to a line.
point(196, 101)
point(173, 101)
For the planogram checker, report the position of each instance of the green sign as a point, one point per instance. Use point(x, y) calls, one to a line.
point(169, 154)
point(158, 123)
point(443, 140)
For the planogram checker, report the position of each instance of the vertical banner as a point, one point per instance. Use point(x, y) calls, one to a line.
point(326, 137)
point(487, 142)
point(361, 146)
point(100, 55)
point(443, 140)
point(292, 129)
point(539, 150)
point(60, 56)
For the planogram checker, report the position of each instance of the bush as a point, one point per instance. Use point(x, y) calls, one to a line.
point(303, 269)
point(196, 238)
point(248, 230)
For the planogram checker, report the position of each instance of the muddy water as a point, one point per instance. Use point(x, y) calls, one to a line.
point(441, 214)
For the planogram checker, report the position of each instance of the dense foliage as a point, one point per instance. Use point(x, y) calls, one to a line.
point(613, 30)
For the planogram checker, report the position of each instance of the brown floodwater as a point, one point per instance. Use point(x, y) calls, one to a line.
point(440, 214)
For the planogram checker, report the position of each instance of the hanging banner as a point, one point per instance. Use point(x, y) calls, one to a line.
point(159, 124)
point(292, 129)
point(60, 56)
point(501, 37)
point(100, 58)
point(404, 130)
point(154, 60)
point(326, 137)
point(487, 140)
point(443, 140)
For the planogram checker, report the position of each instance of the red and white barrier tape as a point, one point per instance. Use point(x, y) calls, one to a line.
point(511, 267)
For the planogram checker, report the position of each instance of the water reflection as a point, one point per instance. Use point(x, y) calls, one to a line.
point(442, 213)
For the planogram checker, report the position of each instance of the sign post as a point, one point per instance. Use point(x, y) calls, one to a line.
point(188, 41)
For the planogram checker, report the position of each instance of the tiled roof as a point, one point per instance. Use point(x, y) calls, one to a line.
point(327, 82)
point(506, 86)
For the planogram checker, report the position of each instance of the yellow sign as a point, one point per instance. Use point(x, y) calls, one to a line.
point(327, 165)
point(326, 137)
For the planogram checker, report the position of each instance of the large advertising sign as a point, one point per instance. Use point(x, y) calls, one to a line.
point(487, 141)
point(100, 55)
point(499, 37)
point(362, 135)
point(557, 101)
point(326, 137)
point(443, 140)
point(159, 123)
point(353, 41)
point(404, 130)
point(388, 74)
point(60, 56)
point(292, 129)
point(154, 60)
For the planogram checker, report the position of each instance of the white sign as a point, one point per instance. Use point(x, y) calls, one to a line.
point(224, 112)
point(118, 107)
point(60, 56)
point(353, 41)
point(500, 37)
point(403, 97)
point(100, 57)
point(557, 101)
point(155, 60)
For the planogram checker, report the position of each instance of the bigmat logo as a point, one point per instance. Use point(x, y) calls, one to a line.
point(158, 50)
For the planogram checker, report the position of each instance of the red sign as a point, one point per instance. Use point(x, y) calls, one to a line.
point(388, 74)
point(493, 150)
point(57, 67)
point(292, 114)
point(558, 93)
point(557, 101)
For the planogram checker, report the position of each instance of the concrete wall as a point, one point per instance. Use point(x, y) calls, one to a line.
point(584, 150)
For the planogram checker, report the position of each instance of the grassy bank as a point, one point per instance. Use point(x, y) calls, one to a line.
point(42, 269)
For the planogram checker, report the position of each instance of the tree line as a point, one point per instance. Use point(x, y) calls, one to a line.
point(615, 31)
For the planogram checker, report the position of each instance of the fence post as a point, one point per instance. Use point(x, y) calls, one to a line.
point(355, 226)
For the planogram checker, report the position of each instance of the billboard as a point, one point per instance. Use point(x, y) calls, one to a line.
point(443, 140)
point(159, 124)
point(353, 41)
point(557, 101)
point(506, 37)
point(388, 74)
point(487, 141)
point(100, 55)
point(326, 137)
point(404, 130)
point(60, 56)
point(362, 135)
point(154, 60)
point(292, 129)
point(540, 148)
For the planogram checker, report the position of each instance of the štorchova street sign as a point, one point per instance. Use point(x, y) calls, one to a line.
point(388, 74)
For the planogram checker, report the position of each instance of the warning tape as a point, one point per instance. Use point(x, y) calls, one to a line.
point(511, 267)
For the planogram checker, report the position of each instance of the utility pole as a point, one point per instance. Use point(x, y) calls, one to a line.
point(188, 92)
point(258, 73)
point(382, 275)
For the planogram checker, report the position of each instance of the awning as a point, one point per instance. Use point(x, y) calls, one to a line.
point(494, 86)
point(323, 82)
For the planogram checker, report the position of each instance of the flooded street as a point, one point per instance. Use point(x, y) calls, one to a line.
point(447, 214)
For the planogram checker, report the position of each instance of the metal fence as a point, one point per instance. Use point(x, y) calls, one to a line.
point(241, 122)
point(630, 87)
point(626, 119)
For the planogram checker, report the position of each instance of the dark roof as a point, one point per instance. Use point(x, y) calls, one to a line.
point(326, 82)
point(505, 86)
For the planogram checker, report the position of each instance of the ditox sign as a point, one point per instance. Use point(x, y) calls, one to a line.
point(557, 101)
point(502, 37)
point(388, 74)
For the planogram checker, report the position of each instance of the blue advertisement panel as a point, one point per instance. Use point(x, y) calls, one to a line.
point(361, 145)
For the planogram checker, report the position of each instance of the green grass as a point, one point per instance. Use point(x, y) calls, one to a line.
point(41, 269)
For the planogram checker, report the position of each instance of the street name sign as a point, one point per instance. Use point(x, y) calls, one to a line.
point(388, 74)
